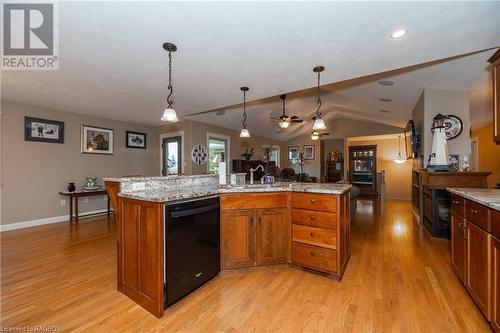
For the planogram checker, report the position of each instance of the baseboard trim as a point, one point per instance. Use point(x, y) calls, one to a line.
point(47, 220)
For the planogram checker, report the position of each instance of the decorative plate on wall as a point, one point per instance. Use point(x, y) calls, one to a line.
point(199, 154)
point(453, 126)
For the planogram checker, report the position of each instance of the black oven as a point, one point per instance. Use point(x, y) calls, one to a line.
point(192, 246)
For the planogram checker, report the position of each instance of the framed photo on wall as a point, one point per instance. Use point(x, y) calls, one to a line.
point(96, 140)
point(309, 152)
point(293, 152)
point(43, 130)
point(135, 140)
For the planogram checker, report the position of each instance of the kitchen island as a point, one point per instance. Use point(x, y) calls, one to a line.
point(307, 225)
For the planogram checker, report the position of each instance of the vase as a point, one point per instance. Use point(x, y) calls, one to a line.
point(71, 187)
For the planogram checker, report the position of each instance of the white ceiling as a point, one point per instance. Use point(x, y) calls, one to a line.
point(112, 64)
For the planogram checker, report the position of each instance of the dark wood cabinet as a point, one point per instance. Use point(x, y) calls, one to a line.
point(495, 283)
point(334, 171)
point(495, 65)
point(271, 236)
point(458, 245)
point(237, 238)
point(363, 168)
point(478, 266)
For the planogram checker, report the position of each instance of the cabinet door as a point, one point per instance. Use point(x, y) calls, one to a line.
point(458, 245)
point(495, 284)
point(237, 238)
point(478, 266)
point(272, 235)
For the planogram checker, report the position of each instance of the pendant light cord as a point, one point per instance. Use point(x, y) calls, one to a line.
point(318, 114)
point(244, 110)
point(170, 88)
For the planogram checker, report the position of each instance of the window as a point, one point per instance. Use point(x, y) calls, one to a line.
point(217, 152)
point(171, 148)
point(275, 156)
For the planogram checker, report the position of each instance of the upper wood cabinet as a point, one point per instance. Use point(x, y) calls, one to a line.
point(495, 64)
point(237, 238)
point(271, 236)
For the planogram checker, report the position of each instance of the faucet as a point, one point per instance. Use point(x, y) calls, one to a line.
point(253, 170)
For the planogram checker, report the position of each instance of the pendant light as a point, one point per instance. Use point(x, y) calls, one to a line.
point(399, 159)
point(284, 119)
point(319, 124)
point(169, 114)
point(314, 136)
point(244, 131)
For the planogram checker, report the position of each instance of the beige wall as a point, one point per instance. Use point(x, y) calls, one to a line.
point(488, 153)
point(33, 173)
point(196, 133)
point(397, 176)
point(311, 167)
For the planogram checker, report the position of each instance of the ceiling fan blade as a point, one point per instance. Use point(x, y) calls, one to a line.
point(294, 117)
point(321, 134)
point(297, 121)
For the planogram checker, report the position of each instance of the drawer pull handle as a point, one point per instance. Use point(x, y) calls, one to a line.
point(312, 235)
point(312, 201)
point(456, 202)
point(312, 254)
point(312, 217)
point(474, 211)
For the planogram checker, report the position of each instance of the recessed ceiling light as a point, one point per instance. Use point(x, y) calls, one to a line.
point(220, 112)
point(385, 83)
point(384, 111)
point(385, 100)
point(398, 33)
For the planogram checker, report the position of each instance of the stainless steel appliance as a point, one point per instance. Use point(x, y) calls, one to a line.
point(192, 246)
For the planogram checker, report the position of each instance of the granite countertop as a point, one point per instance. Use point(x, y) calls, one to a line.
point(190, 192)
point(485, 196)
point(162, 178)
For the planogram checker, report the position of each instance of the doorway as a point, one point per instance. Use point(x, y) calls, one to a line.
point(171, 155)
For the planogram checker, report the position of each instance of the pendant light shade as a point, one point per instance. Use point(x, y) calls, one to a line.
point(169, 114)
point(319, 124)
point(244, 131)
point(399, 159)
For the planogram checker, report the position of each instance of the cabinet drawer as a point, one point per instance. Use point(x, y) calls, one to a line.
point(320, 202)
point(458, 204)
point(314, 218)
point(254, 200)
point(477, 214)
point(314, 236)
point(314, 257)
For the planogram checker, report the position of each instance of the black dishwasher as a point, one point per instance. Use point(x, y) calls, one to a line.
point(192, 246)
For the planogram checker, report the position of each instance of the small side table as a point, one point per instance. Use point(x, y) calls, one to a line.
point(74, 196)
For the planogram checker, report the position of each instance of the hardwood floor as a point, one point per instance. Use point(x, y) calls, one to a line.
point(398, 280)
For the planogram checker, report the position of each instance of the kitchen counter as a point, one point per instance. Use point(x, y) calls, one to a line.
point(189, 192)
point(484, 196)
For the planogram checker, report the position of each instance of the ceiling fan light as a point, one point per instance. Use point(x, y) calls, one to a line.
point(284, 124)
point(314, 136)
point(169, 115)
point(244, 133)
point(319, 124)
point(400, 159)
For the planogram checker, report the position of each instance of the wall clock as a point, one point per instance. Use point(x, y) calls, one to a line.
point(199, 154)
point(453, 126)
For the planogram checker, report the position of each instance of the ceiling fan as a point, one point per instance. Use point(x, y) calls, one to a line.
point(285, 120)
point(315, 135)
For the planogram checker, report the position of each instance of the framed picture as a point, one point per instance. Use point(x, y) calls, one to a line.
point(454, 161)
point(43, 130)
point(96, 140)
point(293, 152)
point(135, 140)
point(309, 152)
